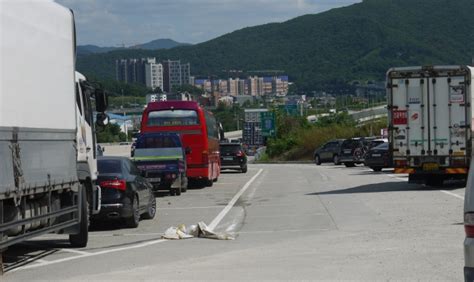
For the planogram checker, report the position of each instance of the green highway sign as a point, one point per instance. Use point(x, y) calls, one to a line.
point(267, 121)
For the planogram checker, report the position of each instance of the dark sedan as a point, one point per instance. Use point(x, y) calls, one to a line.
point(233, 157)
point(126, 194)
point(378, 157)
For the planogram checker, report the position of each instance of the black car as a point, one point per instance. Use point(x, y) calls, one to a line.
point(125, 193)
point(353, 151)
point(233, 157)
point(378, 157)
point(329, 152)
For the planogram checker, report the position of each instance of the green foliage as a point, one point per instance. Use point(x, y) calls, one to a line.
point(110, 134)
point(228, 116)
point(126, 102)
point(117, 88)
point(328, 50)
point(297, 139)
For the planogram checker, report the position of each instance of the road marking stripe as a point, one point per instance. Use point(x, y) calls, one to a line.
point(74, 251)
point(452, 194)
point(191, 208)
point(223, 213)
point(154, 242)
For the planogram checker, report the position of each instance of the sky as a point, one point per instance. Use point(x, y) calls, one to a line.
point(116, 23)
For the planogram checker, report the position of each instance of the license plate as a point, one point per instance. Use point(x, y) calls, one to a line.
point(430, 166)
point(228, 158)
point(347, 151)
point(376, 155)
point(154, 179)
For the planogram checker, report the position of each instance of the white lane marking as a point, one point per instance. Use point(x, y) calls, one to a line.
point(397, 177)
point(154, 242)
point(191, 208)
point(223, 213)
point(74, 251)
point(452, 194)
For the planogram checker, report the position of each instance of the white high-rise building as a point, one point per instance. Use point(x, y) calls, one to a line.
point(153, 74)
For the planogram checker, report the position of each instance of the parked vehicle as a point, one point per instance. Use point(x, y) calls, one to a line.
point(163, 160)
point(378, 157)
point(41, 190)
point(353, 151)
point(469, 227)
point(430, 117)
point(126, 194)
point(233, 157)
point(329, 152)
point(200, 135)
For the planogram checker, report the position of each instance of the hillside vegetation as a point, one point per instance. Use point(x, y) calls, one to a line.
point(331, 49)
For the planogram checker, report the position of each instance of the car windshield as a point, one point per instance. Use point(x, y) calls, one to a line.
point(109, 166)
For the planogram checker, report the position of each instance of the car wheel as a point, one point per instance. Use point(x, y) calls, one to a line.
point(151, 209)
point(335, 160)
point(244, 169)
point(317, 160)
point(349, 164)
point(376, 168)
point(134, 219)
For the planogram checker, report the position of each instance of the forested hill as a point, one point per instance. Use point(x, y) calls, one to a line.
point(360, 41)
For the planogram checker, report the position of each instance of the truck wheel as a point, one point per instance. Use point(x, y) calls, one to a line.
point(376, 168)
point(134, 219)
point(349, 164)
point(317, 160)
point(80, 239)
point(151, 209)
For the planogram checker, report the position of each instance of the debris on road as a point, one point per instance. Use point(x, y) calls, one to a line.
point(201, 230)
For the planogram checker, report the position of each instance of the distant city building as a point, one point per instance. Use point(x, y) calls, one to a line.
point(153, 74)
point(148, 72)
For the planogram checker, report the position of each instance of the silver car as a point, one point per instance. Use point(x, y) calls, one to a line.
point(469, 227)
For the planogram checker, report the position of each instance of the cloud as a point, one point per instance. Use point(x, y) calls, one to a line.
point(116, 22)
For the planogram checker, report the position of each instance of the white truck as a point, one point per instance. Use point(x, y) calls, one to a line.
point(430, 120)
point(48, 162)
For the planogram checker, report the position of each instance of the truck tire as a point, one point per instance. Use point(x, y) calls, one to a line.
point(434, 180)
point(208, 182)
point(80, 239)
point(349, 164)
point(376, 168)
point(134, 219)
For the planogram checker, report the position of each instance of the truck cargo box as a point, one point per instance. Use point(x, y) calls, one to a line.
point(430, 115)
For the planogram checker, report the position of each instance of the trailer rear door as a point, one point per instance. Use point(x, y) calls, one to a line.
point(429, 112)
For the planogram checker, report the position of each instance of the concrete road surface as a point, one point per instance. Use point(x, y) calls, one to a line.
point(291, 221)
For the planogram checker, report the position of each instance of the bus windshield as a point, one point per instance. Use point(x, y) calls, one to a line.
point(173, 118)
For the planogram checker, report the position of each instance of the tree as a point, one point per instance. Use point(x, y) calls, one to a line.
point(111, 133)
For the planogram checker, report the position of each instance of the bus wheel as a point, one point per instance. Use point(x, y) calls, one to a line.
point(209, 182)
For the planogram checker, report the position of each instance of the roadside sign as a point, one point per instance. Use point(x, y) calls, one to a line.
point(267, 121)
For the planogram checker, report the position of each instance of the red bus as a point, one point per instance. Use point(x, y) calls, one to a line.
point(199, 131)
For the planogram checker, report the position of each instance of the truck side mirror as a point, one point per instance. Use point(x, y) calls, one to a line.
point(101, 100)
point(102, 119)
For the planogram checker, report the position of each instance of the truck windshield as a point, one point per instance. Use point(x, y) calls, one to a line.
point(173, 118)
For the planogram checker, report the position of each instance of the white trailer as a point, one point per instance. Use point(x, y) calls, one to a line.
point(48, 170)
point(430, 116)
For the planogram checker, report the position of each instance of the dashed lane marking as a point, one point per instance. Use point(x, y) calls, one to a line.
point(452, 194)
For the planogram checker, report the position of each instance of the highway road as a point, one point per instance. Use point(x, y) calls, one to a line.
point(291, 221)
